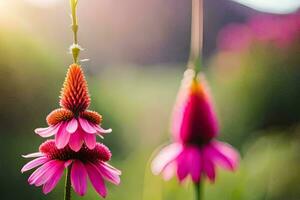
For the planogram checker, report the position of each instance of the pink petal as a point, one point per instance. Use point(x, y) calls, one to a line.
point(102, 130)
point(38, 174)
point(49, 131)
point(62, 137)
point(182, 166)
point(72, 125)
point(76, 141)
point(33, 155)
point(111, 167)
point(78, 177)
point(39, 171)
point(86, 126)
point(53, 167)
point(34, 163)
point(195, 162)
point(165, 156)
point(225, 155)
point(68, 163)
point(96, 179)
point(90, 140)
point(108, 173)
point(53, 180)
point(169, 171)
point(208, 166)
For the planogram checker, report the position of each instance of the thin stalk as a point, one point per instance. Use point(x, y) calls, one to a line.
point(74, 20)
point(68, 184)
point(196, 35)
point(74, 48)
point(198, 191)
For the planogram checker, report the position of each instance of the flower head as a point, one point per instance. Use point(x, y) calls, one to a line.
point(84, 163)
point(194, 118)
point(74, 94)
point(195, 151)
point(73, 124)
point(264, 29)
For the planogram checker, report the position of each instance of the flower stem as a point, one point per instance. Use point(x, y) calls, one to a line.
point(68, 184)
point(75, 49)
point(198, 191)
point(196, 36)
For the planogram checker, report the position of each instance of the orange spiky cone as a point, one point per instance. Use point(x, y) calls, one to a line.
point(59, 115)
point(74, 94)
point(92, 116)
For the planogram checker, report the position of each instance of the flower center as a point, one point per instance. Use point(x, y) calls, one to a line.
point(99, 153)
point(74, 94)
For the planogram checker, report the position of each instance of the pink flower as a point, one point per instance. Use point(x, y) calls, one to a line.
point(73, 124)
point(235, 37)
point(282, 31)
point(52, 161)
point(195, 150)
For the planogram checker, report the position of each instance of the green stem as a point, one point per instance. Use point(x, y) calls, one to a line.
point(198, 191)
point(196, 36)
point(75, 48)
point(68, 184)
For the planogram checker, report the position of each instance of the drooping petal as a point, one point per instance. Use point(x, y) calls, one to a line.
point(49, 131)
point(195, 163)
point(225, 155)
point(111, 167)
point(62, 137)
point(76, 141)
point(165, 156)
point(39, 172)
point(33, 155)
point(169, 170)
point(96, 179)
point(90, 140)
point(208, 165)
point(43, 178)
point(72, 125)
point(108, 173)
point(182, 166)
point(78, 177)
point(34, 163)
point(102, 130)
point(86, 126)
point(53, 180)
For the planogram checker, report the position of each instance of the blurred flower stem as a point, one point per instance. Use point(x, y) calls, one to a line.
point(75, 48)
point(198, 191)
point(195, 59)
point(196, 36)
point(68, 184)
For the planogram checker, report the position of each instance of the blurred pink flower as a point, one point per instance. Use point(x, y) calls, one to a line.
point(195, 151)
point(73, 124)
point(235, 37)
point(281, 31)
point(52, 161)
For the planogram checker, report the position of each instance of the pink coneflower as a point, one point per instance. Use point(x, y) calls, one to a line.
point(281, 31)
point(73, 124)
point(195, 150)
point(84, 163)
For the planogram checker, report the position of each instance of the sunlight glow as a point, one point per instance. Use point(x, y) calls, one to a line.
point(43, 3)
point(272, 6)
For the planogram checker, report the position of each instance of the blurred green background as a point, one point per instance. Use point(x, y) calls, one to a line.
point(133, 77)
